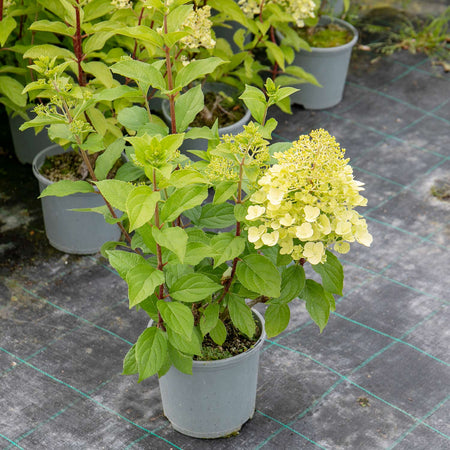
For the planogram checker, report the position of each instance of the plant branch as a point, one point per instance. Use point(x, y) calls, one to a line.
point(77, 46)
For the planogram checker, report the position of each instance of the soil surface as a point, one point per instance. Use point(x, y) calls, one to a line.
point(235, 343)
point(218, 106)
point(331, 35)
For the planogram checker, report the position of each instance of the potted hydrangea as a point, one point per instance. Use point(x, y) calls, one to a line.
point(198, 263)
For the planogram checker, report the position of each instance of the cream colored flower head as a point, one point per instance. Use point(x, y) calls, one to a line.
point(201, 36)
point(298, 10)
point(122, 4)
point(305, 203)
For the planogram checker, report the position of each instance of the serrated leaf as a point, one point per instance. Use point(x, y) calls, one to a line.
point(292, 283)
point(332, 274)
point(213, 216)
point(224, 191)
point(196, 69)
point(209, 318)
point(187, 106)
point(226, 247)
point(12, 89)
point(141, 203)
point(259, 274)
point(241, 315)
point(151, 350)
point(191, 346)
point(276, 319)
point(219, 333)
point(116, 192)
point(317, 303)
point(133, 117)
point(181, 361)
point(130, 366)
point(66, 187)
point(174, 239)
point(193, 288)
point(178, 316)
point(123, 261)
point(7, 26)
point(105, 162)
point(52, 51)
point(183, 199)
point(142, 281)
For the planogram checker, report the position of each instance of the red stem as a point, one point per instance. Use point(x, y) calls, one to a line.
point(141, 15)
point(1, 10)
point(77, 46)
point(170, 83)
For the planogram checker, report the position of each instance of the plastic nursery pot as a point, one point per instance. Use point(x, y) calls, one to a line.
point(74, 232)
point(202, 144)
point(218, 398)
point(329, 66)
point(27, 144)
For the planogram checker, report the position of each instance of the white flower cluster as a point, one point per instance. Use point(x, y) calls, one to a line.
point(198, 21)
point(306, 202)
point(299, 10)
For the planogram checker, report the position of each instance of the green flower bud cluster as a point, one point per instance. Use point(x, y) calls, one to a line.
point(306, 202)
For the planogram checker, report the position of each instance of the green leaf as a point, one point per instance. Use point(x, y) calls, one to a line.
point(130, 366)
point(124, 261)
point(52, 27)
point(178, 316)
point(209, 318)
point(276, 53)
point(196, 252)
point(105, 162)
point(174, 239)
point(259, 274)
point(184, 177)
point(52, 51)
point(187, 106)
point(141, 203)
point(292, 284)
point(196, 69)
point(317, 303)
point(193, 288)
point(142, 33)
point(219, 333)
point(129, 172)
point(332, 274)
point(183, 199)
point(151, 351)
point(115, 93)
point(133, 117)
point(276, 319)
point(224, 191)
point(191, 346)
point(7, 25)
point(67, 187)
point(100, 71)
point(141, 72)
point(96, 42)
point(12, 89)
point(255, 100)
point(116, 192)
point(175, 271)
point(241, 315)
point(226, 247)
point(142, 281)
point(213, 216)
point(181, 361)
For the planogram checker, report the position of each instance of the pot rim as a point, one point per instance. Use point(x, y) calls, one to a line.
point(216, 364)
point(326, 20)
point(36, 166)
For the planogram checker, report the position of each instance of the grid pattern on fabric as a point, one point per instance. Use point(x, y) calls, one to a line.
point(377, 377)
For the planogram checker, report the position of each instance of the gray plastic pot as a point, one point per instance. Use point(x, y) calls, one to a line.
point(202, 144)
point(329, 66)
point(75, 232)
point(27, 144)
point(218, 398)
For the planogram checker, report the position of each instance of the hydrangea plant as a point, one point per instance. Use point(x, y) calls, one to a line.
point(213, 238)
